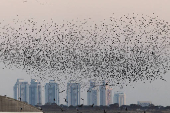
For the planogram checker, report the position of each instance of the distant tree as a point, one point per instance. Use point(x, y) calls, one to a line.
point(61, 105)
point(97, 108)
point(151, 106)
point(126, 108)
point(135, 106)
point(71, 106)
point(106, 107)
point(53, 104)
point(101, 106)
point(47, 103)
point(161, 107)
point(167, 107)
point(39, 104)
point(114, 106)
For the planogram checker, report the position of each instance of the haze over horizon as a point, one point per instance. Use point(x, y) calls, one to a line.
point(59, 10)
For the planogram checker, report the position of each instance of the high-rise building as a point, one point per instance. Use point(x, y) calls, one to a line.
point(105, 94)
point(120, 98)
point(21, 90)
point(35, 95)
point(73, 93)
point(93, 95)
point(52, 92)
point(144, 103)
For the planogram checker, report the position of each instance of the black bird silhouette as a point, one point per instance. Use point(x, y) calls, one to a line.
point(80, 105)
point(19, 98)
point(61, 109)
point(92, 105)
point(62, 91)
point(88, 91)
point(66, 100)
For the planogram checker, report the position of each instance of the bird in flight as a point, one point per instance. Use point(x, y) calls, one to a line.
point(61, 109)
point(62, 91)
point(66, 100)
point(81, 105)
point(105, 111)
point(24, 1)
point(92, 105)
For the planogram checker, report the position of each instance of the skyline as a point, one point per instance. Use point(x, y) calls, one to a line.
point(101, 93)
point(116, 97)
point(157, 91)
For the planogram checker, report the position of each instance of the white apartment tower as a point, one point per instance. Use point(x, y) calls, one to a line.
point(21, 90)
point(73, 93)
point(52, 92)
point(105, 94)
point(120, 98)
point(35, 95)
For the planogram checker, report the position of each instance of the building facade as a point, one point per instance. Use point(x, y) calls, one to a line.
point(35, 95)
point(73, 94)
point(120, 98)
point(21, 90)
point(93, 95)
point(52, 92)
point(144, 103)
point(105, 94)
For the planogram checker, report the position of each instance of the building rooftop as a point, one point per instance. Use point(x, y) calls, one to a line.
point(20, 80)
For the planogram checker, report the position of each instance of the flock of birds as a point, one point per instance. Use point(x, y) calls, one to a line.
point(41, 2)
point(120, 50)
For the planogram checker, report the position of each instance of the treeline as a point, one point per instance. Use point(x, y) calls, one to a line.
point(131, 107)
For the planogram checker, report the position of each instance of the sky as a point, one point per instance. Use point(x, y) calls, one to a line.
point(157, 91)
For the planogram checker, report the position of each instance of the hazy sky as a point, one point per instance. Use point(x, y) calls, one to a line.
point(157, 92)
